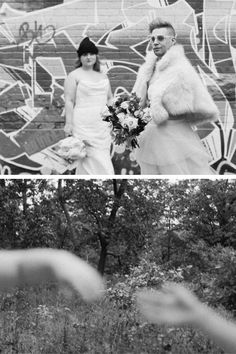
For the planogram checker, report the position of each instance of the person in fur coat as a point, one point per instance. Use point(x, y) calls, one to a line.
point(178, 101)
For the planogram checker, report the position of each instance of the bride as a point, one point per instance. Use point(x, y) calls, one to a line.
point(87, 91)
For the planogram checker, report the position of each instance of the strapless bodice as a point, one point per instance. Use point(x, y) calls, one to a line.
point(90, 94)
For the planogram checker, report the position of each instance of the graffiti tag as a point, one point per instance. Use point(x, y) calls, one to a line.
point(39, 34)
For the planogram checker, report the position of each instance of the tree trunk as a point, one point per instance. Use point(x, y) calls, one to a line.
point(63, 204)
point(103, 253)
point(104, 237)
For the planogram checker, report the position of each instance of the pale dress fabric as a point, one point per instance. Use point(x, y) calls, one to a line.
point(91, 98)
point(171, 148)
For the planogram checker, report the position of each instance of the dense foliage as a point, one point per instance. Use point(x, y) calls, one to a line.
point(138, 233)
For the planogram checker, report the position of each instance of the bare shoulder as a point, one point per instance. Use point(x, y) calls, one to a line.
point(74, 75)
point(71, 83)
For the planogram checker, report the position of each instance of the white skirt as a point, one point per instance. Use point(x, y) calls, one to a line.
point(88, 126)
point(173, 148)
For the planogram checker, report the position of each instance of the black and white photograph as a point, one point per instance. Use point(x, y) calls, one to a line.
point(118, 266)
point(117, 177)
point(121, 87)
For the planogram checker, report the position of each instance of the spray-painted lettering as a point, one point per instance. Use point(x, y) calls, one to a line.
point(39, 33)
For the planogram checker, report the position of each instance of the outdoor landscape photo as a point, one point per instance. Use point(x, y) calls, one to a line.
point(136, 234)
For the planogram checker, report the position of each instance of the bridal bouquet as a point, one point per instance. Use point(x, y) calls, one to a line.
point(71, 149)
point(127, 119)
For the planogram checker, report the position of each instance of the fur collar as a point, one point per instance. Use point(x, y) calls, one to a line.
point(175, 53)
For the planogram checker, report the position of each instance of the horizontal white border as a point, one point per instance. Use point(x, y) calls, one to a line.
point(106, 177)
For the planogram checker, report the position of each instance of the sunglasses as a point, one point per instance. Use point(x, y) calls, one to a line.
point(160, 38)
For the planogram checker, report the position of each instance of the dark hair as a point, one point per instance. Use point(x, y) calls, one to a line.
point(96, 67)
point(159, 23)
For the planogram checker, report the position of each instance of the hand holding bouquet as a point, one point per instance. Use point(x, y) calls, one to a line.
point(127, 118)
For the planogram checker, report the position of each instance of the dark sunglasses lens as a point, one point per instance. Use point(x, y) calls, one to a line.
point(159, 38)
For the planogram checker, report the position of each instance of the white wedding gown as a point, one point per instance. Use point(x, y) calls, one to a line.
point(91, 99)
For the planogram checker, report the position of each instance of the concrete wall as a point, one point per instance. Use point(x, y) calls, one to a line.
point(38, 40)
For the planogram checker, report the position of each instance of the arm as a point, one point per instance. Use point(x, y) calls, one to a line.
point(187, 95)
point(175, 305)
point(222, 331)
point(69, 91)
point(34, 266)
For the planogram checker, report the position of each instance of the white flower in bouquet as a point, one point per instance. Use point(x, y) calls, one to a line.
point(136, 113)
point(105, 112)
point(125, 105)
point(113, 101)
point(147, 115)
point(72, 148)
point(76, 153)
point(131, 122)
point(121, 117)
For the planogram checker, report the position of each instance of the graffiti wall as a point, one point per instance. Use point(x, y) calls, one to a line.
point(38, 42)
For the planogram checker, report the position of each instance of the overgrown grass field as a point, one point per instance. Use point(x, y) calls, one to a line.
point(46, 320)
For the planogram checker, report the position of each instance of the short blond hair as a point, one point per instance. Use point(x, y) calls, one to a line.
point(159, 23)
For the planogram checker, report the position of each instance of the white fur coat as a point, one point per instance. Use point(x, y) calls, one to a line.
point(175, 88)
